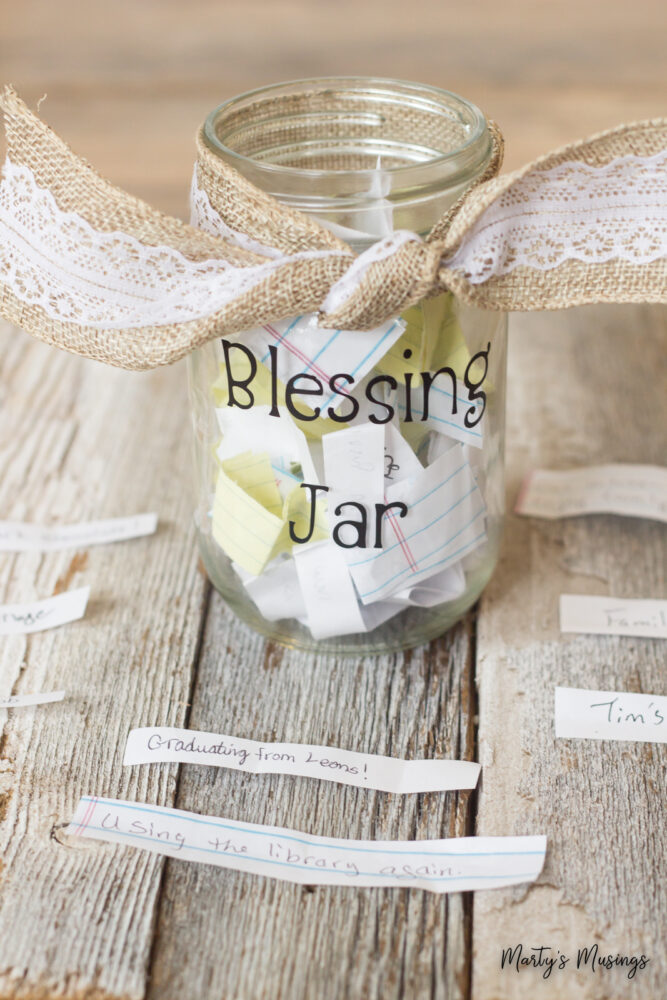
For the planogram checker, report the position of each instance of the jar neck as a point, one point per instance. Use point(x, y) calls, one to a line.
point(363, 156)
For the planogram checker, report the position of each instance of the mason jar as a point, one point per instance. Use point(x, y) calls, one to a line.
point(350, 483)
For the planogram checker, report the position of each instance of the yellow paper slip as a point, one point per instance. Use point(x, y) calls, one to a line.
point(242, 527)
point(252, 471)
point(251, 522)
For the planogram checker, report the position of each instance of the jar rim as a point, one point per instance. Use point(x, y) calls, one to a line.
point(382, 86)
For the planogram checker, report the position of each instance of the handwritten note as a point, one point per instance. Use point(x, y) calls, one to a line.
point(451, 865)
point(17, 536)
point(613, 616)
point(364, 770)
point(22, 619)
point(630, 490)
point(39, 698)
point(610, 715)
point(354, 461)
point(400, 461)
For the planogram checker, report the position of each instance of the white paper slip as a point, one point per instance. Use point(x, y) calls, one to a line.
point(36, 616)
point(331, 602)
point(39, 698)
point(444, 521)
point(276, 591)
point(354, 461)
point(630, 490)
point(364, 770)
point(610, 715)
point(448, 585)
point(453, 865)
point(613, 616)
point(17, 536)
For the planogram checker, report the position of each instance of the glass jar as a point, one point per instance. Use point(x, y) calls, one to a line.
point(350, 484)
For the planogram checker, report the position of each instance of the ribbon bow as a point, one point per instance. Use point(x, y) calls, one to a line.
point(89, 268)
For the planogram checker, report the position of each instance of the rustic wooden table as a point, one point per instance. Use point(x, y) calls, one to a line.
point(83, 919)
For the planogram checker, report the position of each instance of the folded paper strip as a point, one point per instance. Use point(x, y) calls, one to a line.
point(91, 269)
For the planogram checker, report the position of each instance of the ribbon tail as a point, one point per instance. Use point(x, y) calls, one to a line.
point(89, 268)
point(585, 224)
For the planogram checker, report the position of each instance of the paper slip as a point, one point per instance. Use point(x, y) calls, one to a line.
point(364, 770)
point(304, 348)
point(613, 616)
point(377, 614)
point(332, 607)
point(610, 715)
point(447, 585)
point(332, 613)
point(354, 469)
point(16, 536)
point(453, 865)
point(39, 698)
point(433, 340)
point(354, 462)
point(276, 592)
point(630, 490)
point(242, 526)
point(444, 521)
point(36, 616)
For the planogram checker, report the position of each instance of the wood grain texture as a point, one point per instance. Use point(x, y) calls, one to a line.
point(229, 934)
point(585, 387)
point(80, 441)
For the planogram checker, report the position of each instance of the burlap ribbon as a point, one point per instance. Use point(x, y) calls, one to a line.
point(89, 268)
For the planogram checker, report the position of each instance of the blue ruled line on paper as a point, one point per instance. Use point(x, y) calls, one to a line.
point(407, 538)
point(175, 851)
point(441, 420)
point(363, 361)
point(278, 834)
point(279, 339)
point(464, 548)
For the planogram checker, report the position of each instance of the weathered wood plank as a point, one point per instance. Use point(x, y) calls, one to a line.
point(230, 934)
point(585, 387)
point(80, 441)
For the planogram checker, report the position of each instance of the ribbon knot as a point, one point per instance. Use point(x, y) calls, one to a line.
point(384, 280)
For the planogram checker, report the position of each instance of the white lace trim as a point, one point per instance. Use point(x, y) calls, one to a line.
point(571, 212)
point(56, 260)
point(204, 216)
